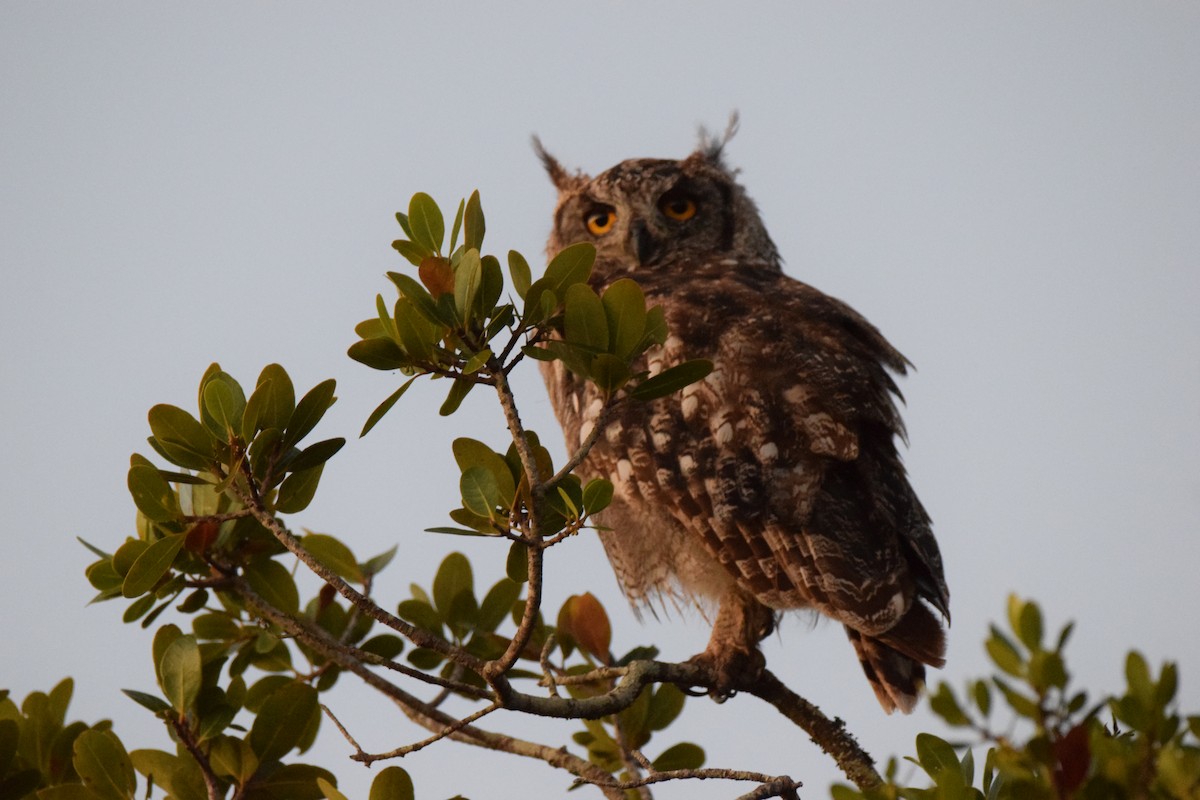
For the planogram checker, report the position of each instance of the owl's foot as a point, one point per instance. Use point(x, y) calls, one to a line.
point(728, 669)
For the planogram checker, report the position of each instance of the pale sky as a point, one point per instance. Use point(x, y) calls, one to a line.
point(1011, 192)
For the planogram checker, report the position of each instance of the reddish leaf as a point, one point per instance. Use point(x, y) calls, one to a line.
point(585, 620)
point(1073, 754)
point(437, 275)
point(201, 536)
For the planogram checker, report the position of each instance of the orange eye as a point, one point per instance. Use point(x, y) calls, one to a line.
point(600, 222)
point(679, 209)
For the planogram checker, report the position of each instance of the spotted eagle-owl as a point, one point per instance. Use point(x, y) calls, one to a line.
point(775, 482)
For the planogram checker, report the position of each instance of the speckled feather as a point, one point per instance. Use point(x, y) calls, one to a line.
point(775, 482)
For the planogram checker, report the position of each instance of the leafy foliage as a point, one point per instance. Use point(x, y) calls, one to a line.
point(1132, 745)
point(242, 668)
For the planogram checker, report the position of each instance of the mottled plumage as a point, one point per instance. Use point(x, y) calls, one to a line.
point(774, 483)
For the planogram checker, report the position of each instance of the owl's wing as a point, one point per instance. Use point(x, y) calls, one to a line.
point(783, 460)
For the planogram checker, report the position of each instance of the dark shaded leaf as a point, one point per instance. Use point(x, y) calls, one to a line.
point(459, 390)
point(282, 720)
point(182, 439)
point(519, 273)
point(309, 411)
point(152, 702)
point(473, 223)
point(381, 354)
point(316, 454)
point(454, 576)
point(151, 493)
point(385, 406)
point(572, 265)
point(684, 755)
point(297, 490)
point(151, 565)
point(625, 308)
point(393, 783)
point(672, 380)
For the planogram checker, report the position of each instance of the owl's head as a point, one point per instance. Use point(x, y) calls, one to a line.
point(646, 215)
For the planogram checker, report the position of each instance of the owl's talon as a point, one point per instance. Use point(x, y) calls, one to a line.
point(728, 670)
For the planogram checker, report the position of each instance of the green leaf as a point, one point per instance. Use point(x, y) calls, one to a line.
point(380, 354)
point(281, 722)
point(468, 277)
point(684, 755)
point(149, 701)
point(1005, 654)
point(224, 405)
point(151, 565)
point(297, 490)
point(334, 554)
point(609, 373)
point(473, 223)
point(457, 227)
point(516, 566)
point(937, 757)
point(946, 706)
point(271, 403)
point(272, 581)
point(393, 783)
point(471, 453)
point(1029, 626)
point(497, 603)
point(418, 336)
point(1137, 674)
point(151, 493)
point(459, 390)
point(329, 790)
point(491, 284)
point(425, 222)
point(183, 440)
point(597, 495)
point(421, 300)
point(402, 218)
point(672, 380)
point(376, 564)
point(625, 308)
point(518, 271)
point(665, 705)
point(572, 265)
point(385, 406)
point(453, 577)
point(422, 614)
point(584, 322)
point(316, 454)
point(656, 329)
point(413, 252)
point(309, 411)
point(480, 493)
point(180, 669)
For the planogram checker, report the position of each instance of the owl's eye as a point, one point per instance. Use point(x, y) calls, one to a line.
point(600, 221)
point(678, 207)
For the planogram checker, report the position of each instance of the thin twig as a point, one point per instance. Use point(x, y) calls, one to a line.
point(454, 727)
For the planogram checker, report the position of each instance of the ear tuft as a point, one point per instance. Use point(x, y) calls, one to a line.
point(711, 145)
point(559, 176)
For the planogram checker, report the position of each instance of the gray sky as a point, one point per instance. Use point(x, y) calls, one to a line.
point(1011, 192)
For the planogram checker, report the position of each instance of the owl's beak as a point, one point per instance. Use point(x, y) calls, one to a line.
point(644, 245)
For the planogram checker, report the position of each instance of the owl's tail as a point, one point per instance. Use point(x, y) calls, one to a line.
point(894, 661)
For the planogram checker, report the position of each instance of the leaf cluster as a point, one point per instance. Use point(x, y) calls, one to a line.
point(452, 320)
point(1133, 745)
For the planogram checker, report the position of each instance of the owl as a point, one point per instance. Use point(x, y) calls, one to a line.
point(775, 483)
